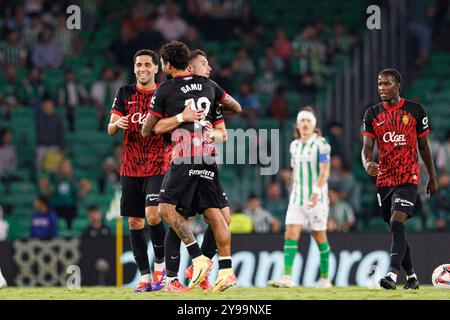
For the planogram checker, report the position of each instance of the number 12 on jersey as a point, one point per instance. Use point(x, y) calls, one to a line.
point(202, 103)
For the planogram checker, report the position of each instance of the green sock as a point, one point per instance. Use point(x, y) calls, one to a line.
point(290, 249)
point(324, 249)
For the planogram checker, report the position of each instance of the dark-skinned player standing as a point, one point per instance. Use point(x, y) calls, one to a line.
point(397, 125)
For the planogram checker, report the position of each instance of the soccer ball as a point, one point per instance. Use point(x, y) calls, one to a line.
point(441, 277)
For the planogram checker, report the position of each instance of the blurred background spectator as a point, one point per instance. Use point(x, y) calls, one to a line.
point(64, 191)
point(46, 53)
point(50, 132)
point(4, 226)
point(341, 217)
point(72, 95)
point(263, 220)
point(8, 154)
point(44, 223)
point(96, 228)
point(240, 222)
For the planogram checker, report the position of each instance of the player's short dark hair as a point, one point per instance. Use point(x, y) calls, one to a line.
point(146, 52)
point(392, 72)
point(195, 53)
point(92, 208)
point(44, 200)
point(176, 53)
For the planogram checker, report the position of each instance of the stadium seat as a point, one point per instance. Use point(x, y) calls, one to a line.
point(100, 200)
point(414, 224)
point(377, 224)
point(63, 231)
point(268, 123)
point(79, 225)
point(22, 187)
point(19, 228)
point(24, 212)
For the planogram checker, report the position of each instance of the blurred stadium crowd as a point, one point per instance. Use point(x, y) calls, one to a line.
point(273, 56)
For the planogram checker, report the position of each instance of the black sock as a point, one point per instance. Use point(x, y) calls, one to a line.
point(194, 250)
point(209, 243)
point(139, 247)
point(398, 246)
point(407, 261)
point(224, 263)
point(172, 252)
point(157, 234)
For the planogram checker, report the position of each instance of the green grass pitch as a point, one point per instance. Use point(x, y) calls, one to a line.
point(297, 293)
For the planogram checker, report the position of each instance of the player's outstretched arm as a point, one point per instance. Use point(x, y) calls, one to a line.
point(169, 124)
point(149, 124)
point(367, 156)
point(425, 154)
point(230, 105)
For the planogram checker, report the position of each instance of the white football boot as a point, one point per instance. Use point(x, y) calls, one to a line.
point(285, 281)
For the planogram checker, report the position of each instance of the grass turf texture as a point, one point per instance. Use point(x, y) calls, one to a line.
point(298, 293)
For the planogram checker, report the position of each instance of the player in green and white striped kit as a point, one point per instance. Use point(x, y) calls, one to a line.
point(308, 204)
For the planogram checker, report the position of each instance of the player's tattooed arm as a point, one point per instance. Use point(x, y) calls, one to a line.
point(367, 156)
point(425, 154)
point(169, 124)
point(149, 124)
point(230, 105)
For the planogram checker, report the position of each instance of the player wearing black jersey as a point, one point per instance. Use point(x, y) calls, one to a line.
point(198, 65)
point(192, 174)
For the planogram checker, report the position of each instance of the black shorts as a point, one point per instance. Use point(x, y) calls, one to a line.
point(139, 193)
point(399, 198)
point(195, 209)
point(188, 185)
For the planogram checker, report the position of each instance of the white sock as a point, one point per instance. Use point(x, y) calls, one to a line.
point(393, 276)
point(159, 266)
point(411, 276)
point(145, 277)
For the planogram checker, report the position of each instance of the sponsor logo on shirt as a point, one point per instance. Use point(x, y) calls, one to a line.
point(202, 173)
point(139, 117)
point(397, 139)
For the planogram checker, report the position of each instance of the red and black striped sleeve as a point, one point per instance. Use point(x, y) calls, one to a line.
point(118, 105)
point(368, 124)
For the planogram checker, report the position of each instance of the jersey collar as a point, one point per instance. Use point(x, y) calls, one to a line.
point(146, 91)
point(184, 75)
point(401, 103)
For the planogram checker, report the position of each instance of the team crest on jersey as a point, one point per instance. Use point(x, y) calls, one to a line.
point(405, 119)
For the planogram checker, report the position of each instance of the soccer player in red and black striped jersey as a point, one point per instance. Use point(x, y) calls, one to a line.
point(145, 161)
point(397, 125)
